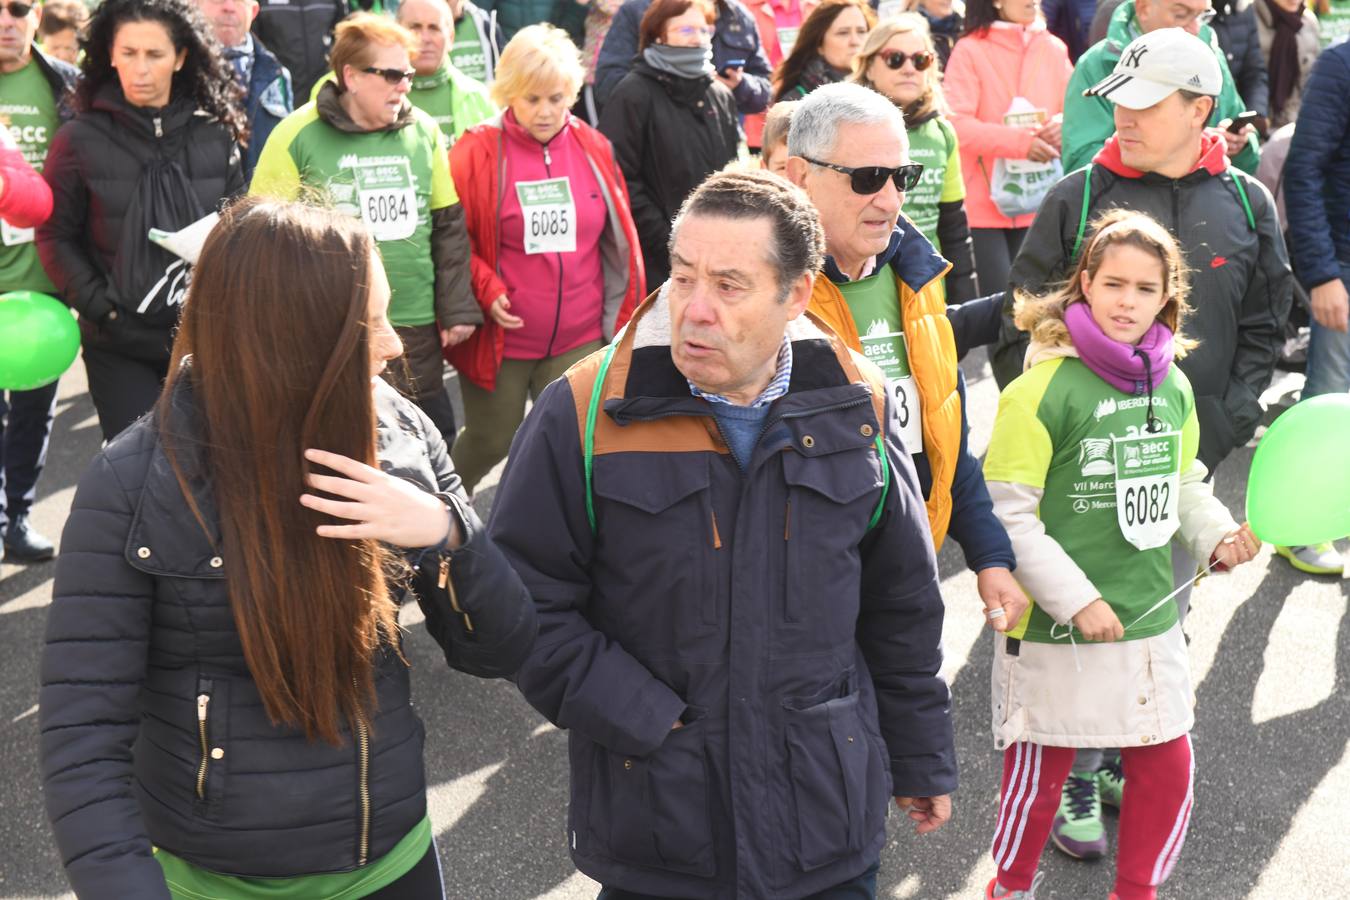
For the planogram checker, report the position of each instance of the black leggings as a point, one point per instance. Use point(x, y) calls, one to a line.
point(421, 882)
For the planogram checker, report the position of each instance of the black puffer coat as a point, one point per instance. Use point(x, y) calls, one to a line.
point(1235, 26)
point(140, 630)
point(668, 134)
point(93, 179)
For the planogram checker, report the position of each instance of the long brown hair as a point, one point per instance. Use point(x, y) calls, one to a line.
point(789, 72)
point(1043, 316)
point(275, 323)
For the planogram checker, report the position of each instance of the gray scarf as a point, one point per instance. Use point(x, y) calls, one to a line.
point(682, 62)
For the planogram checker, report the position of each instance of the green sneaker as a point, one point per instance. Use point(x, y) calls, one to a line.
point(1315, 559)
point(1111, 782)
point(1077, 829)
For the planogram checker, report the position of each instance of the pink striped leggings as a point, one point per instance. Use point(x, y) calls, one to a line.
point(1154, 812)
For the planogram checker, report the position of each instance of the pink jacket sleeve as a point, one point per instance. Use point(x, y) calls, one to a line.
point(962, 86)
point(25, 199)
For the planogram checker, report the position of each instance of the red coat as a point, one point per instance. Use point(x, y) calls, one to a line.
point(477, 165)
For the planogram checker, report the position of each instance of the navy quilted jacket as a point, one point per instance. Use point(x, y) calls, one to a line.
point(1317, 173)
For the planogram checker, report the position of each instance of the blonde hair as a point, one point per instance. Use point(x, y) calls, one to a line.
point(355, 38)
point(931, 100)
point(538, 56)
point(1043, 315)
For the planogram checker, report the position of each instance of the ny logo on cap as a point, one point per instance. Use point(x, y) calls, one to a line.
point(1133, 57)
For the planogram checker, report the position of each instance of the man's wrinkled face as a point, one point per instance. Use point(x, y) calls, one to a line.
point(16, 37)
point(727, 310)
point(430, 21)
point(229, 19)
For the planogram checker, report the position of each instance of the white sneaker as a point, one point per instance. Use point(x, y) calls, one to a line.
point(1315, 559)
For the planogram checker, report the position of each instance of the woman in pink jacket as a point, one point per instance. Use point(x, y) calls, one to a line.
point(1005, 85)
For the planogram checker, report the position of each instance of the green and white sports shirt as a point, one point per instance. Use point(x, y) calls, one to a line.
point(1056, 430)
point(392, 180)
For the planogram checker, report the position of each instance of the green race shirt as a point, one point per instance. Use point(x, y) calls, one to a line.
point(454, 101)
point(466, 52)
point(874, 303)
point(390, 179)
point(188, 882)
point(934, 145)
point(26, 101)
point(1054, 431)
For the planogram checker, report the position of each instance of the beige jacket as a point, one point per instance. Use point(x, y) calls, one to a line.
point(1309, 45)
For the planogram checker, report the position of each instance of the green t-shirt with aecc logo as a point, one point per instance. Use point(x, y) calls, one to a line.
point(934, 145)
point(26, 101)
point(1061, 429)
point(466, 53)
point(874, 303)
point(392, 180)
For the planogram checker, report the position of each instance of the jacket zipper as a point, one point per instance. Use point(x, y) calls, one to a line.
point(363, 786)
point(444, 581)
point(159, 127)
point(557, 310)
point(203, 707)
point(1176, 212)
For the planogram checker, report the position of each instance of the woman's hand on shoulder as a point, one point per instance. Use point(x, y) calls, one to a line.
point(375, 505)
point(1098, 622)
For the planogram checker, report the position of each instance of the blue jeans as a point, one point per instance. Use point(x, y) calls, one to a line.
point(25, 426)
point(864, 887)
point(1328, 359)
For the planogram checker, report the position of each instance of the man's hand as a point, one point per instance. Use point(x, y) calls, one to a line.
point(456, 334)
point(931, 813)
point(500, 312)
point(731, 79)
point(1331, 305)
point(1004, 601)
point(1233, 143)
point(1097, 622)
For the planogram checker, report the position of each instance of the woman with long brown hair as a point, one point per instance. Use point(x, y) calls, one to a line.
point(225, 704)
point(826, 47)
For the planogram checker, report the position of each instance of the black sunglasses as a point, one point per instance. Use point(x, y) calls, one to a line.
point(17, 10)
point(894, 60)
point(870, 179)
point(392, 76)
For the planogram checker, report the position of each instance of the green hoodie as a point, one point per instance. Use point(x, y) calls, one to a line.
point(454, 100)
point(1089, 121)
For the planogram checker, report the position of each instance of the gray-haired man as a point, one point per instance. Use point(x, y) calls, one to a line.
point(739, 614)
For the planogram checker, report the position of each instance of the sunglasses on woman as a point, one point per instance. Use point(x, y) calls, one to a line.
point(894, 60)
point(391, 76)
point(867, 180)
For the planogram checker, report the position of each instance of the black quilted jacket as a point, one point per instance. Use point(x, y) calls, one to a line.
point(152, 729)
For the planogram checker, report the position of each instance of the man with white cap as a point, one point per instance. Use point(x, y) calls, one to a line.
point(1087, 117)
point(1164, 162)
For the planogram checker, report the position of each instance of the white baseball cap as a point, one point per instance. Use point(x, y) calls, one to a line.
point(1156, 64)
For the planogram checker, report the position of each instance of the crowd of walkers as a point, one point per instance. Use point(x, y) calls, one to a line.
point(705, 271)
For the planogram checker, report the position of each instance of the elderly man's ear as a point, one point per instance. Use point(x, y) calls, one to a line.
point(796, 170)
point(800, 295)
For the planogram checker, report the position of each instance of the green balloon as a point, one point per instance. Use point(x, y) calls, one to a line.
point(38, 340)
point(1298, 491)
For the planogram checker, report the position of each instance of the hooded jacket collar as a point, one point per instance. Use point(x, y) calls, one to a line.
point(329, 106)
point(141, 119)
point(1213, 159)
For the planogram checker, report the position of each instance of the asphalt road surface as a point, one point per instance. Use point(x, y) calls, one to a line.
point(1270, 650)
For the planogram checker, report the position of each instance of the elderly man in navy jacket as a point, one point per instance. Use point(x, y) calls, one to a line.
point(740, 622)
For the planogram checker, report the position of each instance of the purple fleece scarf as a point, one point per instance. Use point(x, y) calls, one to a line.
point(1125, 367)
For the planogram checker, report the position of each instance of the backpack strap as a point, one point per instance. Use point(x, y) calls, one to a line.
point(1083, 213)
point(1242, 198)
point(588, 442)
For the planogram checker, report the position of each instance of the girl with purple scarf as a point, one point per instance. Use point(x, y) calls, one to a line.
point(1092, 469)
